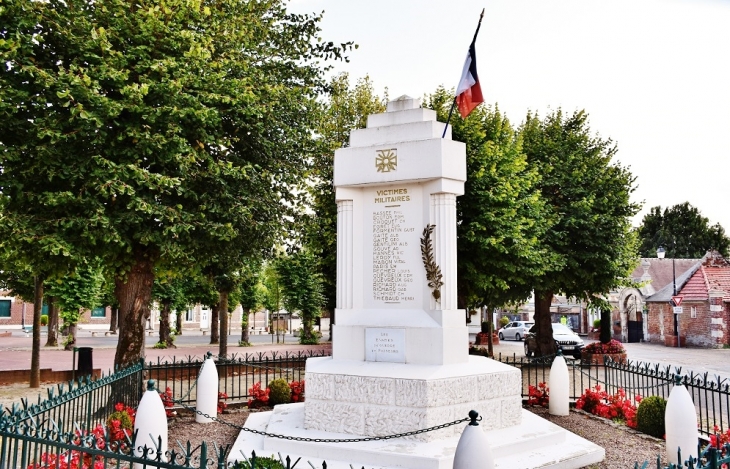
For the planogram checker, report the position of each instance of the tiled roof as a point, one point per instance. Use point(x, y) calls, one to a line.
point(660, 271)
point(712, 273)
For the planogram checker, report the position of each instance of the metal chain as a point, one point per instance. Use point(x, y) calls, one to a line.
point(325, 440)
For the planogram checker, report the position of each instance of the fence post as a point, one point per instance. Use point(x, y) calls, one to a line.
point(680, 420)
point(473, 451)
point(207, 385)
point(559, 384)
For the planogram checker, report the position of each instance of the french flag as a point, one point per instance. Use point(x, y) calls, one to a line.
point(469, 93)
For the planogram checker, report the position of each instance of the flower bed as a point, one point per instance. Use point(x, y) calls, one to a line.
point(619, 407)
point(594, 353)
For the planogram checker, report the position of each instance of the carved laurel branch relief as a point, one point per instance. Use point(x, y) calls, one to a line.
point(433, 271)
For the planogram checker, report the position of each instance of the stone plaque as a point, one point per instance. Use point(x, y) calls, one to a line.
point(385, 345)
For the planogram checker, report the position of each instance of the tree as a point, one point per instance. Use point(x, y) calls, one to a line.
point(171, 293)
point(501, 216)
point(682, 231)
point(588, 201)
point(345, 110)
point(302, 290)
point(80, 289)
point(251, 296)
point(130, 131)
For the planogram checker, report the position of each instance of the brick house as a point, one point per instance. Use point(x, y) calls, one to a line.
point(628, 304)
point(705, 289)
point(16, 313)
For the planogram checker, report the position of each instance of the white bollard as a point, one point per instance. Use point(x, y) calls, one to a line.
point(207, 389)
point(559, 403)
point(680, 425)
point(150, 424)
point(473, 450)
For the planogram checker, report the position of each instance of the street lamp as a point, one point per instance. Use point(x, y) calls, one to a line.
point(660, 253)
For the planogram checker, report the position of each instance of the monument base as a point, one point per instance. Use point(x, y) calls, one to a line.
point(533, 443)
point(381, 398)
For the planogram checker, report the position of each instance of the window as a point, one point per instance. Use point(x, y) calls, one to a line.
point(693, 312)
point(5, 308)
point(189, 315)
point(98, 312)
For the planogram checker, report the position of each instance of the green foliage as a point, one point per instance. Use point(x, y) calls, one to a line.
point(346, 109)
point(503, 321)
point(123, 417)
point(588, 197)
point(501, 216)
point(260, 463)
point(682, 231)
point(650, 416)
point(596, 323)
point(151, 137)
point(241, 343)
point(44, 320)
point(279, 392)
point(302, 289)
point(81, 289)
point(588, 202)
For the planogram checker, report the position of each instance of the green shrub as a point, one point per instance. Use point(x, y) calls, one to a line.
point(597, 324)
point(279, 392)
point(261, 463)
point(650, 416)
point(44, 320)
point(503, 321)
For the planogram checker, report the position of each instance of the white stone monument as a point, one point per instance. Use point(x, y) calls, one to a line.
point(400, 358)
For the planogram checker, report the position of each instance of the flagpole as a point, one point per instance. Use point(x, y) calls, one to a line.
point(453, 104)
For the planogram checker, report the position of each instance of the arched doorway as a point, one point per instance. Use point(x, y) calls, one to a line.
point(632, 311)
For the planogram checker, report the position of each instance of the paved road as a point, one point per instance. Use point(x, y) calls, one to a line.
point(712, 361)
point(15, 351)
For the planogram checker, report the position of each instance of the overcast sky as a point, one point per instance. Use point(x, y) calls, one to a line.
point(654, 75)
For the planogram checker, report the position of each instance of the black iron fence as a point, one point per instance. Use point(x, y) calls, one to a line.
point(710, 394)
point(236, 373)
point(62, 426)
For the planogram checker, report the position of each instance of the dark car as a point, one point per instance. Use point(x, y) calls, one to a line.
point(568, 342)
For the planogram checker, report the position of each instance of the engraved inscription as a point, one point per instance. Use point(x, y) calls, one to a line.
point(385, 345)
point(392, 276)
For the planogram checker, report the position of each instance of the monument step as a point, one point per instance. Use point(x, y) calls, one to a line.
point(534, 443)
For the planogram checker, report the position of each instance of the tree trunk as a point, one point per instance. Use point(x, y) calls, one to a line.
point(543, 323)
point(223, 311)
point(133, 294)
point(490, 332)
point(332, 323)
point(165, 336)
point(178, 322)
point(114, 320)
point(71, 342)
point(214, 331)
point(35, 357)
point(52, 339)
point(244, 326)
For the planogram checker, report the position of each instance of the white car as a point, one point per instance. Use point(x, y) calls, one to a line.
point(516, 330)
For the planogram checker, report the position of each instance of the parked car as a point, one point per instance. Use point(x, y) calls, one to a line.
point(516, 330)
point(567, 341)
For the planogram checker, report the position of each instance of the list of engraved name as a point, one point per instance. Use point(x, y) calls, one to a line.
point(392, 276)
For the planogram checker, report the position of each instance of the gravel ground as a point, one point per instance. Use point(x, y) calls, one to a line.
point(624, 447)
